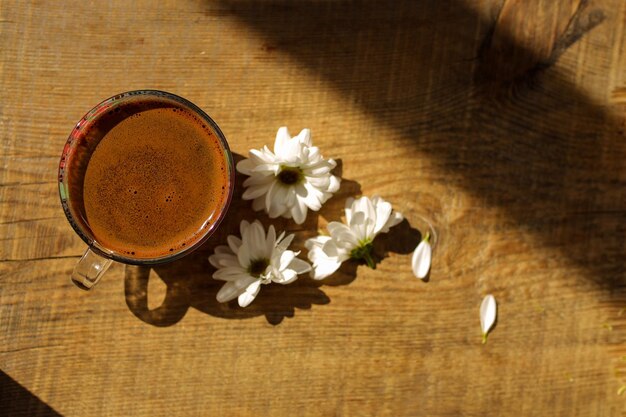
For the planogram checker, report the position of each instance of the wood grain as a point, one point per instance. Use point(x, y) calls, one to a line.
point(502, 121)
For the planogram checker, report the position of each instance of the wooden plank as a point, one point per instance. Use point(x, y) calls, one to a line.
point(501, 121)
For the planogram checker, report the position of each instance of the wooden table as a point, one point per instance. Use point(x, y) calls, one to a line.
point(502, 121)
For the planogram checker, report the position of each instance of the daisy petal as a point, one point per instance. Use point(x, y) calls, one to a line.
point(335, 183)
point(261, 157)
point(319, 168)
point(276, 200)
point(342, 235)
point(420, 262)
point(270, 200)
point(285, 259)
point(313, 198)
point(243, 255)
point(232, 289)
point(323, 254)
point(319, 183)
point(348, 209)
point(336, 228)
point(325, 269)
point(360, 225)
point(298, 211)
point(383, 212)
point(243, 228)
point(223, 249)
point(265, 170)
point(257, 179)
point(282, 137)
point(283, 243)
point(299, 266)
point(305, 137)
point(219, 260)
point(330, 248)
point(258, 204)
point(365, 206)
point(245, 166)
point(234, 243)
point(231, 273)
point(215, 260)
point(255, 191)
point(395, 218)
point(317, 241)
point(257, 242)
point(270, 240)
point(487, 315)
point(287, 277)
point(249, 294)
point(291, 152)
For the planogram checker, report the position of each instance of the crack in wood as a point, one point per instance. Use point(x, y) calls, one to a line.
point(579, 24)
point(28, 348)
point(30, 220)
point(19, 184)
point(493, 56)
point(43, 258)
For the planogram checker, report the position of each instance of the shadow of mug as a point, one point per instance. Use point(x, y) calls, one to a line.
point(189, 281)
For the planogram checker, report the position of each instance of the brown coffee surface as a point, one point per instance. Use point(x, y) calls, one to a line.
point(154, 182)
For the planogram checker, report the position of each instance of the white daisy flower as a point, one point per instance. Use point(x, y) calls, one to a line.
point(252, 260)
point(290, 180)
point(365, 219)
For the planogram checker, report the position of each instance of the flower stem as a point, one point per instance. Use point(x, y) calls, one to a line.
point(484, 338)
point(426, 237)
point(363, 253)
point(369, 260)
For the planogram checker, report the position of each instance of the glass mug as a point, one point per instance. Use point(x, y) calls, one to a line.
point(145, 178)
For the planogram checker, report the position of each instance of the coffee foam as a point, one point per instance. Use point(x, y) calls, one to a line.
point(156, 179)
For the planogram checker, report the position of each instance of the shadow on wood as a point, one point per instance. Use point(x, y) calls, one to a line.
point(15, 400)
point(490, 109)
point(189, 280)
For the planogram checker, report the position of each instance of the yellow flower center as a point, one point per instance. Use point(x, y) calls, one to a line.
point(257, 267)
point(290, 175)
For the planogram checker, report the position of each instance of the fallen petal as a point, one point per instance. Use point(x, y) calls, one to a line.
point(487, 315)
point(421, 259)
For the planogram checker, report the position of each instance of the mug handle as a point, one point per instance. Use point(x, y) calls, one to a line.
point(90, 269)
